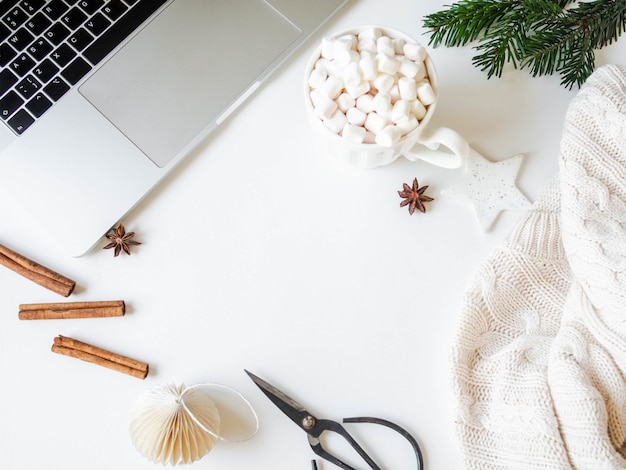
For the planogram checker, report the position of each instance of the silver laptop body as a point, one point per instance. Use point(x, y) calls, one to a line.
point(97, 151)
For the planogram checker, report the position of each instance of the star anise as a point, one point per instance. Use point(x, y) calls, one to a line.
point(120, 240)
point(414, 197)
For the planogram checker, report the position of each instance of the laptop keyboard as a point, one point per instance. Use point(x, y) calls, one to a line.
point(48, 46)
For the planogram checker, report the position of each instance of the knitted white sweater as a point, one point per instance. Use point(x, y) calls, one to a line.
point(539, 362)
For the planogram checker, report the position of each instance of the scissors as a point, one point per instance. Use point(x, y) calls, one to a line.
point(315, 427)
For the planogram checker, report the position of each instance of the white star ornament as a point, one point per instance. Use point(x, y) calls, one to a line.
point(489, 187)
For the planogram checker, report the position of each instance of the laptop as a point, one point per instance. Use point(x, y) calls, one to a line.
point(100, 99)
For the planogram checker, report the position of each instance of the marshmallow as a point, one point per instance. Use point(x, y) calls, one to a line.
point(324, 106)
point(353, 133)
point(372, 33)
point(414, 51)
point(375, 123)
point(387, 64)
point(364, 103)
point(367, 45)
point(388, 136)
point(418, 110)
point(358, 90)
point(327, 48)
point(332, 87)
point(352, 75)
point(426, 93)
point(345, 102)
point(384, 46)
point(407, 88)
point(356, 116)
point(333, 68)
point(342, 43)
point(336, 121)
point(398, 46)
point(345, 57)
point(408, 68)
point(381, 103)
point(407, 125)
point(367, 64)
point(318, 77)
point(394, 92)
point(421, 72)
point(401, 111)
point(383, 82)
point(351, 40)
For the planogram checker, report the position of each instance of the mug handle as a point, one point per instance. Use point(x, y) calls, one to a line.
point(432, 139)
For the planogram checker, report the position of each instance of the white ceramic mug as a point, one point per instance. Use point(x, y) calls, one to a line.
point(422, 143)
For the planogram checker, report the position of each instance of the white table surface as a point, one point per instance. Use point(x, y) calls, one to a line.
point(258, 253)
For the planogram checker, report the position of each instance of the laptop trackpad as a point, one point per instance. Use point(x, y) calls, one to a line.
point(185, 69)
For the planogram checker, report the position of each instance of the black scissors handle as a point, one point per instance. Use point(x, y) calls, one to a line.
point(323, 425)
point(327, 425)
point(398, 429)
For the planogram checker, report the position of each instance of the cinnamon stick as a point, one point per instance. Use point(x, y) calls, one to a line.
point(35, 272)
point(69, 310)
point(86, 352)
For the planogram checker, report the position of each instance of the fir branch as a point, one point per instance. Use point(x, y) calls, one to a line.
point(544, 36)
point(499, 44)
point(604, 21)
point(465, 21)
point(560, 45)
point(577, 66)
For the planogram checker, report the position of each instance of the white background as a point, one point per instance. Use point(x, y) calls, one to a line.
point(258, 253)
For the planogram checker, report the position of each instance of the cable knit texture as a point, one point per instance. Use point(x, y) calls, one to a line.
point(539, 361)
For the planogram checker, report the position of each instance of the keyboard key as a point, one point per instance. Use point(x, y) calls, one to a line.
point(6, 54)
point(56, 89)
point(120, 30)
point(57, 33)
point(9, 103)
point(74, 18)
point(20, 39)
point(14, 18)
point(21, 121)
point(114, 9)
point(97, 24)
point(27, 87)
point(31, 6)
point(80, 39)
point(55, 9)
point(90, 6)
point(38, 105)
point(45, 71)
point(22, 64)
point(7, 5)
point(76, 70)
point(4, 32)
point(38, 24)
point(7, 80)
point(63, 55)
point(39, 49)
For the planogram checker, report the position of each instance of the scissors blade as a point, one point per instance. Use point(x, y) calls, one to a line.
point(294, 410)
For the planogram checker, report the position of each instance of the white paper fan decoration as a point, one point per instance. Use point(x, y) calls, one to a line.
point(168, 431)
